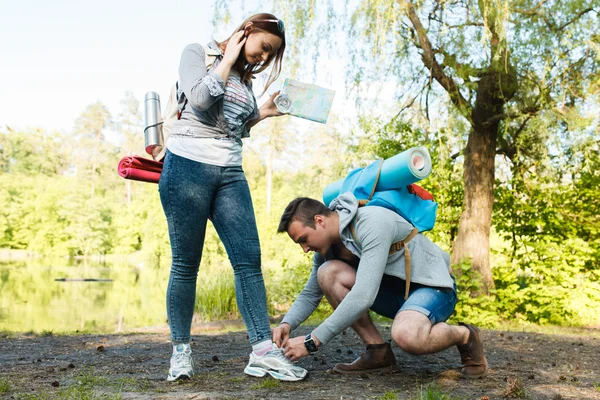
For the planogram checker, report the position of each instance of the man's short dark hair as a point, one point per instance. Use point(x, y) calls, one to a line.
point(302, 209)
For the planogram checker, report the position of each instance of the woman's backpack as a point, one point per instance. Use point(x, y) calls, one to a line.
point(176, 104)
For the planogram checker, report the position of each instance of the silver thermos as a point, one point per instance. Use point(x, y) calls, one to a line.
point(153, 124)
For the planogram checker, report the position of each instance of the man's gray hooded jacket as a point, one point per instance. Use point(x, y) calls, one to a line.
point(377, 228)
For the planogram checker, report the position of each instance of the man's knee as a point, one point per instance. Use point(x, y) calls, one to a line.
point(410, 331)
point(335, 272)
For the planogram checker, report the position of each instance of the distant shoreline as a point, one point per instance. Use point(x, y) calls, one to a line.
point(7, 255)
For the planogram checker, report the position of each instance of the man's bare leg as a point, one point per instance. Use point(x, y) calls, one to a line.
point(412, 331)
point(336, 278)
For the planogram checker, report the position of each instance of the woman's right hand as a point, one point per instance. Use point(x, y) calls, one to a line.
point(234, 46)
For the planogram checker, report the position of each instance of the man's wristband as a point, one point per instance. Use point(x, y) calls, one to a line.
point(310, 344)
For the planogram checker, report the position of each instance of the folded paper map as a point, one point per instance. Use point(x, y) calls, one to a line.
point(305, 100)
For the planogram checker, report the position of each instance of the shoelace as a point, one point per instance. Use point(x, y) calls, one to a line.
point(278, 354)
point(184, 359)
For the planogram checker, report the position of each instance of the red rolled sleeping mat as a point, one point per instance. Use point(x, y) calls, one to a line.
point(140, 169)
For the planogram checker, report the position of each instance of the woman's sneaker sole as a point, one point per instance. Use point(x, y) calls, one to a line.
point(260, 372)
point(275, 364)
point(182, 376)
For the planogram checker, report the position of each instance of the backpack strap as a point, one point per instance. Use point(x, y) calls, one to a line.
point(407, 265)
point(209, 56)
point(182, 101)
point(394, 248)
point(376, 180)
point(362, 203)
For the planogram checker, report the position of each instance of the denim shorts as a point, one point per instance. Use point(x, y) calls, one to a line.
point(435, 303)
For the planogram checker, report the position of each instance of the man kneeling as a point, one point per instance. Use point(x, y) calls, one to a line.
point(363, 259)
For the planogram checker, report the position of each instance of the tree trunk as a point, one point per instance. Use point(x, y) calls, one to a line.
point(93, 178)
point(495, 87)
point(473, 239)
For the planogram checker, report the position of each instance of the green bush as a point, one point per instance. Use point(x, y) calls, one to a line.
point(480, 310)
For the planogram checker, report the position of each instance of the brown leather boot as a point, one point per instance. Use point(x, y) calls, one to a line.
point(474, 364)
point(377, 357)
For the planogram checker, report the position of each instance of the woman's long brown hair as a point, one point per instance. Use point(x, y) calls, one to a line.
point(247, 71)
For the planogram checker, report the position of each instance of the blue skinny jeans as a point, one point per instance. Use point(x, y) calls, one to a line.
point(190, 193)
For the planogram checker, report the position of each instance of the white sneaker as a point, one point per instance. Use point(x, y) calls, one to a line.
point(275, 364)
point(182, 365)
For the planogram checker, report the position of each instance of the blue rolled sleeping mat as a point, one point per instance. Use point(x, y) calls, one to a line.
point(391, 191)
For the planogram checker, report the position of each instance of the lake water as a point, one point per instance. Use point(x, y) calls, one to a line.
point(32, 300)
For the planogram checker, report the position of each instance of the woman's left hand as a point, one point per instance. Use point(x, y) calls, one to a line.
point(295, 348)
point(269, 108)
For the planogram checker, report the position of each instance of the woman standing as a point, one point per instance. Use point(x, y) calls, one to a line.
point(202, 178)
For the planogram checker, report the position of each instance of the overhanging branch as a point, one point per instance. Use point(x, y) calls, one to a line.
point(536, 11)
point(531, 11)
point(436, 70)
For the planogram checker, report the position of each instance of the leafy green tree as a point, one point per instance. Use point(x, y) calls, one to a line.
point(91, 150)
point(12, 193)
point(129, 125)
point(499, 66)
point(549, 216)
point(32, 153)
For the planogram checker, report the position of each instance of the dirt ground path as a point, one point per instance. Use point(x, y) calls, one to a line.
point(134, 366)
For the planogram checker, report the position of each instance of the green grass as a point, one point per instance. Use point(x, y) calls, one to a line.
point(88, 382)
point(432, 391)
point(391, 395)
point(88, 378)
point(51, 333)
point(28, 396)
point(216, 300)
point(267, 383)
point(88, 385)
point(515, 389)
point(85, 386)
point(4, 385)
point(126, 383)
point(597, 386)
point(86, 393)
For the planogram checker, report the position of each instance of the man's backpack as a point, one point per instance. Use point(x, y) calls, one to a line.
point(176, 104)
point(412, 202)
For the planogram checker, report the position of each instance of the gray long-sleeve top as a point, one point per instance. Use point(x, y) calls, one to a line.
point(377, 229)
point(204, 90)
